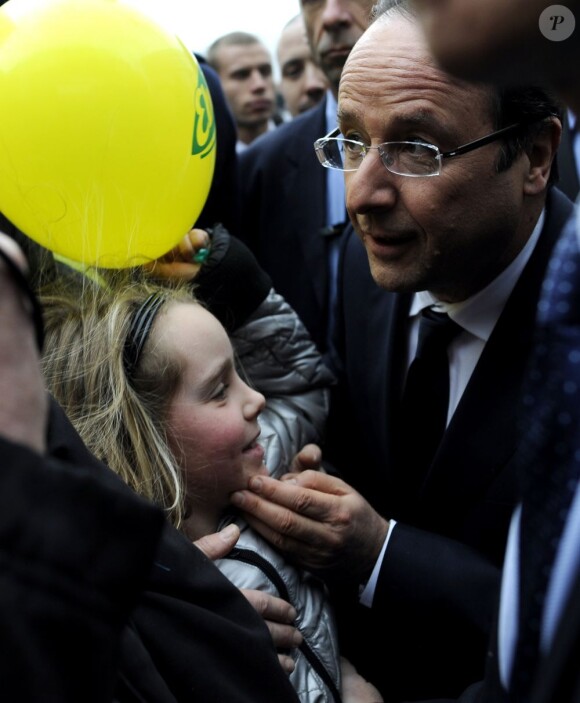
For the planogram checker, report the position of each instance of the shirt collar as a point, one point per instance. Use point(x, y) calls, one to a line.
point(331, 109)
point(479, 313)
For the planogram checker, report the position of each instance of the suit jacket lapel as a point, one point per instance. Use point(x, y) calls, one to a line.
point(305, 195)
point(481, 437)
point(396, 360)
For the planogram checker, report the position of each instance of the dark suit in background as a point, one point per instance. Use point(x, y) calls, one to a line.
point(284, 215)
point(558, 679)
point(568, 168)
point(437, 590)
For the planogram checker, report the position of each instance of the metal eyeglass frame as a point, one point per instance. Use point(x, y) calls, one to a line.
point(439, 155)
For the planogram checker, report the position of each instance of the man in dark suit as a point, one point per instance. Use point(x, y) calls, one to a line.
point(508, 41)
point(455, 218)
point(293, 211)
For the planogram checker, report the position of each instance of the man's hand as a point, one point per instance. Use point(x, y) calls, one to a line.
point(309, 457)
point(279, 616)
point(218, 544)
point(318, 519)
point(277, 613)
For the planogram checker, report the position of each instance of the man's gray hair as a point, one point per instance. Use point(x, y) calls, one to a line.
point(400, 7)
point(531, 105)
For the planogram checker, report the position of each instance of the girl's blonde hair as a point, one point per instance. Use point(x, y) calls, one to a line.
point(120, 419)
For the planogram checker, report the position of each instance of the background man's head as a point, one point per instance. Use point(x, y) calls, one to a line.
point(451, 233)
point(244, 66)
point(302, 82)
point(505, 40)
point(332, 28)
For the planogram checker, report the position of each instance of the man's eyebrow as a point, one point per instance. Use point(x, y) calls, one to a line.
point(345, 116)
point(423, 119)
point(416, 119)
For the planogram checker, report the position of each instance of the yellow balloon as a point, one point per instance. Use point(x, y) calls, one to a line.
point(107, 132)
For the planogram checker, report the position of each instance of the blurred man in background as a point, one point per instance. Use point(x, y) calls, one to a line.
point(244, 66)
point(293, 210)
point(302, 84)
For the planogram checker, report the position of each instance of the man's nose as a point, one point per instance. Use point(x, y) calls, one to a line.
point(258, 81)
point(336, 13)
point(371, 186)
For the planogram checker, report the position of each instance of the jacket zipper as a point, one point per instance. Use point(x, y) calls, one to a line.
point(249, 557)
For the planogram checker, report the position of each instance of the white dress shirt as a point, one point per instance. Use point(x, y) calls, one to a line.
point(335, 199)
point(335, 208)
point(477, 316)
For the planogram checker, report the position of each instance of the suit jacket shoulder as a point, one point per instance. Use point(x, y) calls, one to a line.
point(284, 215)
point(286, 141)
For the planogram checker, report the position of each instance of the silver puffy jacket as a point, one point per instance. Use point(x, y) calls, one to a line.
point(279, 359)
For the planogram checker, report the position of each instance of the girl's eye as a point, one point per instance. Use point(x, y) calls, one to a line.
point(221, 392)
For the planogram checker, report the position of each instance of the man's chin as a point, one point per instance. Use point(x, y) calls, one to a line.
point(332, 71)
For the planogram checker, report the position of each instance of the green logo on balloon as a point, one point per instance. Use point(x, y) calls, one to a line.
point(203, 123)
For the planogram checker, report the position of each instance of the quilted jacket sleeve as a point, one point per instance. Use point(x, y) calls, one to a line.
point(280, 360)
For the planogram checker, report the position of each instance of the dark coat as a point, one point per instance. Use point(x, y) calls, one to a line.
point(437, 591)
point(284, 215)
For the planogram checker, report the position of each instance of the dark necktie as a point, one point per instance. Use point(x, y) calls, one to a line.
point(550, 451)
point(425, 401)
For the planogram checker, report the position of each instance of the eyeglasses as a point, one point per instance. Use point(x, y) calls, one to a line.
point(403, 158)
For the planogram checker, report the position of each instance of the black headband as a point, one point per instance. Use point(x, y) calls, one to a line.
point(139, 330)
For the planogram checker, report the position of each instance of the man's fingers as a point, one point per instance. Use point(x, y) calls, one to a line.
point(284, 636)
point(285, 513)
point(309, 457)
point(218, 544)
point(278, 615)
point(310, 494)
point(270, 607)
point(287, 663)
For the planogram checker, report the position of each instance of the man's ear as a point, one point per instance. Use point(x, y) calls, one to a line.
point(541, 154)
